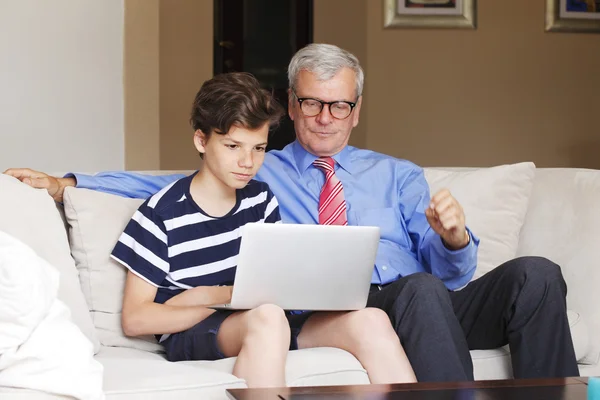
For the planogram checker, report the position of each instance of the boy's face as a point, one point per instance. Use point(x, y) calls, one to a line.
point(233, 158)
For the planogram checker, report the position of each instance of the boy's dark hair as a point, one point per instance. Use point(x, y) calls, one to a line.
point(234, 99)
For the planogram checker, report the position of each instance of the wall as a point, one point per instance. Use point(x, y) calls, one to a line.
point(61, 80)
point(186, 61)
point(353, 38)
point(141, 85)
point(186, 48)
point(503, 93)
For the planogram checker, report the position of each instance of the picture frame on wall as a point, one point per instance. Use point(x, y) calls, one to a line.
point(573, 15)
point(459, 14)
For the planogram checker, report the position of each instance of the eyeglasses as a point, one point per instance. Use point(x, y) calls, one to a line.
point(312, 107)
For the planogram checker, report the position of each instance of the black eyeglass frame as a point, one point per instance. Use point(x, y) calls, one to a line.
point(329, 103)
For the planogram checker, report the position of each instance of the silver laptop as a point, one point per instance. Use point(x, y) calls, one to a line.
point(304, 267)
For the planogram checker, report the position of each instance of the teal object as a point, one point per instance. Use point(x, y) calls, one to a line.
point(593, 389)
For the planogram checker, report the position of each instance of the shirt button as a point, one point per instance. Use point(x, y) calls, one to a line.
point(384, 268)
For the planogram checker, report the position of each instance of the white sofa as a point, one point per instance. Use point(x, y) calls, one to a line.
point(514, 209)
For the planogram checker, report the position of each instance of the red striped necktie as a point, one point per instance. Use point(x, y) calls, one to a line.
point(332, 206)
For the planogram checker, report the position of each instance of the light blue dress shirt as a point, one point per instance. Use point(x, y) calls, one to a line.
point(379, 190)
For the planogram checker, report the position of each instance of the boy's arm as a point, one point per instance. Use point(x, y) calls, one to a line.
point(142, 316)
point(202, 296)
point(143, 249)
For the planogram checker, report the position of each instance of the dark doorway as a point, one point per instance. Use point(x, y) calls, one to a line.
point(260, 37)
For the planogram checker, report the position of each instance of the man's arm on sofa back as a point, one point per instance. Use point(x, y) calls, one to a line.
point(125, 184)
point(39, 180)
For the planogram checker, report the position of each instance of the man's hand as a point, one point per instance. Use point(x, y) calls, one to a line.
point(447, 219)
point(40, 180)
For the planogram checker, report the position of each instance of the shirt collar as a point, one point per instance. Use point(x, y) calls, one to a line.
point(304, 159)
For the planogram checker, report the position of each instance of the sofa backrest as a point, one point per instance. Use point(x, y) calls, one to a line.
point(495, 202)
point(519, 210)
point(563, 225)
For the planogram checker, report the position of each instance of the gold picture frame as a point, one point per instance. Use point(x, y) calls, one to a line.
point(560, 19)
point(397, 14)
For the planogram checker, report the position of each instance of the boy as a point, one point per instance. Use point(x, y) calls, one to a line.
point(181, 250)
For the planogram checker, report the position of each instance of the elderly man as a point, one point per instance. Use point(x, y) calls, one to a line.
point(426, 252)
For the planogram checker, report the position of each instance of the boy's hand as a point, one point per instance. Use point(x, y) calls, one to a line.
point(39, 180)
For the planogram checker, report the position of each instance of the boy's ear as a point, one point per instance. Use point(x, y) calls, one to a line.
point(200, 140)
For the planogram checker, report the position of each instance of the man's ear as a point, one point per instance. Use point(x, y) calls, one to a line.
point(290, 104)
point(200, 139)
point(356, 115)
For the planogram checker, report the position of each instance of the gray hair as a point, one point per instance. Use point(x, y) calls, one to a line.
point(324, 60)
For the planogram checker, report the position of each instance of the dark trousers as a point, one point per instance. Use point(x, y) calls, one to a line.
point(521, 303)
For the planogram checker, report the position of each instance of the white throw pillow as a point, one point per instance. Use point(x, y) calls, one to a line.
point(495, 202)
point(31, 216)
point(96, 221)
point(40, 347)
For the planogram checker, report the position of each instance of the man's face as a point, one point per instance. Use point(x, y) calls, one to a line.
point(233, 158)
point(324, 135)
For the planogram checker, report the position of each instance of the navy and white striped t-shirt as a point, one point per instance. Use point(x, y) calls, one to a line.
point(174, 245)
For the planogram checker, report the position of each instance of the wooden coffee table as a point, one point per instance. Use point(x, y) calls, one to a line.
point(513, 389)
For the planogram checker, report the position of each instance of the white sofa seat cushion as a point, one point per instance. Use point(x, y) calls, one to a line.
point(495, 203)
point(321, 366)
point(492, 364)
point(31, 216)
point(150, 376)
point(135, 374)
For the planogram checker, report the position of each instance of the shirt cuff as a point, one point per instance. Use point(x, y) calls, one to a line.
point(458, 255)
point(83, 181)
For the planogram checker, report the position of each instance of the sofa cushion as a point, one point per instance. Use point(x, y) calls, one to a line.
point(31, 216)
point(563, 224)
point(495, 202)
point(579, 334)
point(134, 374)
point(96, 220)
point(492, 364)
point(321, 366)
